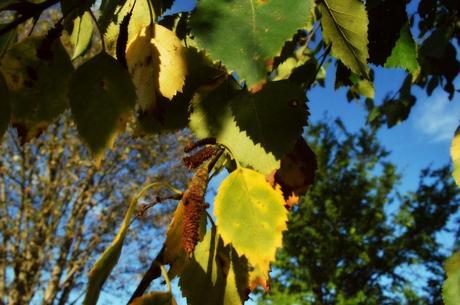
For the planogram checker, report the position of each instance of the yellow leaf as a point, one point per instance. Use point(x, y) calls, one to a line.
point(251, 216)
point(455, 155)
point(156, 61)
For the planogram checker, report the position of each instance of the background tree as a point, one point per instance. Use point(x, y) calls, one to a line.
point(353, 237)
point(58, 211)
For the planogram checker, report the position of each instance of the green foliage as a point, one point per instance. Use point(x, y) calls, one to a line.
point(404, 54)
point(451, 287)
point(226, 116)
point(101, 98)
point(283, 100)
point(246, 35)
point(345, 25)
point(212, 117)
point(37, 75)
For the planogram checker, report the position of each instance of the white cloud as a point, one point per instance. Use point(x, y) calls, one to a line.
point(437, 117)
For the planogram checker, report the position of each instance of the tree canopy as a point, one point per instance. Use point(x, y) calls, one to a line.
point(354, 238)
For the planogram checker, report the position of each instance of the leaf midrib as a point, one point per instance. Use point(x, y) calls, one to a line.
point(348, 43)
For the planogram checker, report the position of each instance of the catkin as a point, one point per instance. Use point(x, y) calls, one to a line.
point(198, 158)
point(194, 207)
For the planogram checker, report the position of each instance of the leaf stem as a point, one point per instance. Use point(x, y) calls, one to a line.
point(101, 36)
point(164, 273)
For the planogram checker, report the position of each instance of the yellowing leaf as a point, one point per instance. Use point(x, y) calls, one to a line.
point(102, 96)
point(82, 34)
point(155, 298)
point(156, 61)
point(451, 287)
point(5, 108)
point(251, 216)
point(258, 277)
point(142, 16)
point(345, 25)
point(455, 155)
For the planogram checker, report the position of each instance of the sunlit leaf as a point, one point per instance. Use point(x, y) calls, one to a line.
point(404, 54)
point(251, 216)
point(142, 16)
point(156, 61)
point(82, 34)
point(344, 24)
point(451, 287)
point(246, 35)
point(213, 117)
point(455, 155)
point(101, 98)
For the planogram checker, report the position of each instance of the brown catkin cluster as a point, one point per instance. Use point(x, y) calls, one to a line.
point(192, 145)
point(194, 207)
point(199, 157)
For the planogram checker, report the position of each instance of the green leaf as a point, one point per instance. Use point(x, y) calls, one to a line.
point(246, 35)
point(155, 298)
point(364, 88)
point(213, 117)
point(5, 108)
point(273, 117)
point(451, 287)
point(344, 24)
point(38, 86)
point(82, 34)
point(404, 54)
point(455, 155)
point(109, 258)
point(102, 96)
point(215, 275)
point(386, 19)
point(251, 216)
